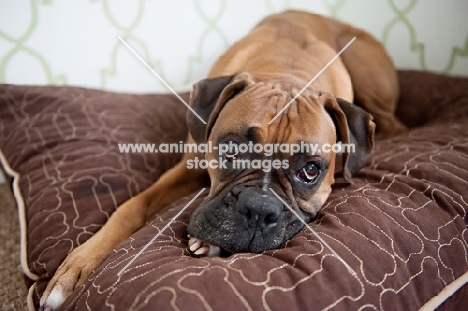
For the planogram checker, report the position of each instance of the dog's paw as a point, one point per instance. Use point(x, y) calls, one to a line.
point(199, 248)
point(72, 272)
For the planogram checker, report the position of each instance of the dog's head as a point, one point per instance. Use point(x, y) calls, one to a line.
point(241, 213)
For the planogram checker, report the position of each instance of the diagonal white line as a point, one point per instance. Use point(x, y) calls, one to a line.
point(160, 232)
point(161, 79)
point(315, 233)
point(313, 79)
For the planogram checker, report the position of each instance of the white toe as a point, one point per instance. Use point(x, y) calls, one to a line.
point(55, 299)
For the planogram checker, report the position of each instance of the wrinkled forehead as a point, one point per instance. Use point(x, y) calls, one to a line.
point(296, 118)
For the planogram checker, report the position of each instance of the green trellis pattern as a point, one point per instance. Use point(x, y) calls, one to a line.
point(215, 21)
point(333, 8)
point(128, 36)
point(20, 45)
point(415, 45)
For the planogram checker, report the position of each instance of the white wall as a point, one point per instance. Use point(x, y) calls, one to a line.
point(75, 41)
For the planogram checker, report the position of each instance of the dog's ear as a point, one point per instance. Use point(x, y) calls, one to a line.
point(207, 99)
point(354, 126)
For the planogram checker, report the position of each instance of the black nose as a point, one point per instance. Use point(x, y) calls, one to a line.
point(261, 210)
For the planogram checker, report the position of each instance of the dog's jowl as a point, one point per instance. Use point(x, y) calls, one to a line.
point(255, 96)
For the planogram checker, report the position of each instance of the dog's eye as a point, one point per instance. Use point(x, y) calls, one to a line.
point(232, 154)
point(309, 173)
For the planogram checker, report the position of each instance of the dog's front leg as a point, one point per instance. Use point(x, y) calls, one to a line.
point(128, 218)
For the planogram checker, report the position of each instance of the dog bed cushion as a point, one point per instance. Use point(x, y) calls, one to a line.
point(402, 225)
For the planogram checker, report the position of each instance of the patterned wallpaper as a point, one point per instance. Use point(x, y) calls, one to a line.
point(75, 41)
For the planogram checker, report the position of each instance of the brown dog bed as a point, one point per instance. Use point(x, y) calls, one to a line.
point(402, 226)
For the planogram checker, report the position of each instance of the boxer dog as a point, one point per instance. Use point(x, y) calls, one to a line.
point(246, 89)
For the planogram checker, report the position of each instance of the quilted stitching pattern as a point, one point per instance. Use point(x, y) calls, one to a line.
point(63, 141)
point(402, 226)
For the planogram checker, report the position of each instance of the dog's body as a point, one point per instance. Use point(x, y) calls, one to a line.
point(247, 87)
